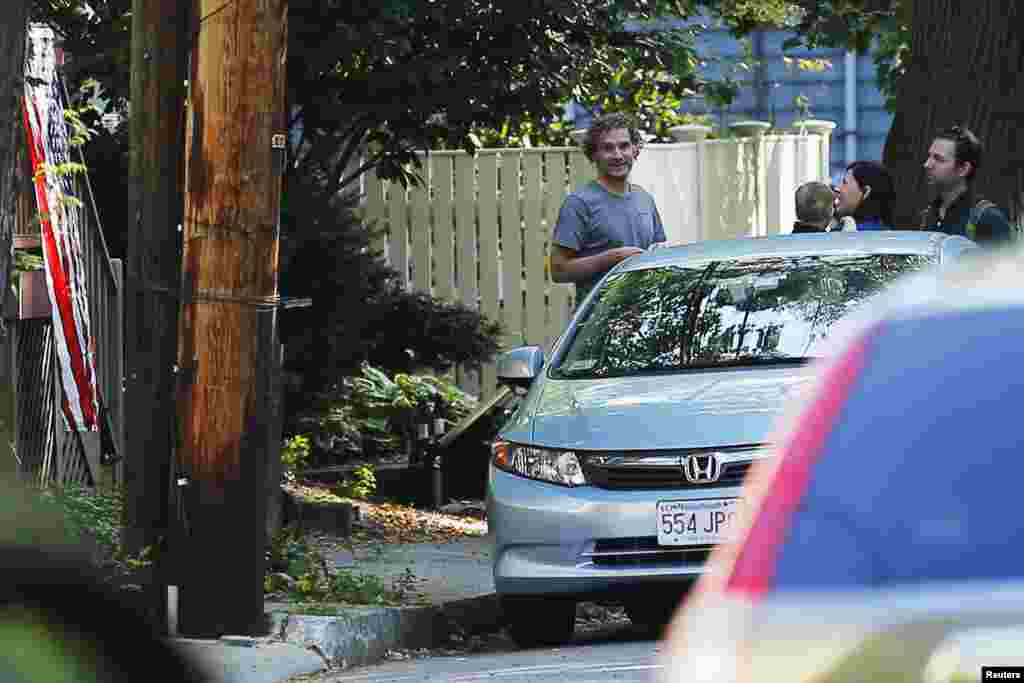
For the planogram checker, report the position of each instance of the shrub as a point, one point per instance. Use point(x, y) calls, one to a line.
point(297, 568)
point(359, 313)
point(295, 454)
point(375, 394)
point(360, 485)
point(88, 515)
point(95, 517)
point(377, 411)
point(389, 408)
point(412, 330)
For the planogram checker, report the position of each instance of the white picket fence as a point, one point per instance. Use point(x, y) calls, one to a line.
point(478, 231)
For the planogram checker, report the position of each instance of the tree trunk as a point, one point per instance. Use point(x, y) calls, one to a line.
point(13, 26)
point(965, 68)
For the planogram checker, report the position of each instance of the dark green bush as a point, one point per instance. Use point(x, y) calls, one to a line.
point(411, 330)
point(359, 312)
point(326, 255)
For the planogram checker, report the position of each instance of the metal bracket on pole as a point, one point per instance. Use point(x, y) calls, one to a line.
point(436, 463)
point(278, 145)
point(186, 375)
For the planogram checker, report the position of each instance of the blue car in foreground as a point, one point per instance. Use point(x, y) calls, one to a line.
point(885, 542)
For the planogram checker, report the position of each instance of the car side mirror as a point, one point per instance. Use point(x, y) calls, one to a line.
point(520, 366)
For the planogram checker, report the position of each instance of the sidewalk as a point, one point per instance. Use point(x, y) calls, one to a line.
point(446, 571)
point(454, 578)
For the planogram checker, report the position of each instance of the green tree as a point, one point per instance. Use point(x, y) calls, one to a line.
point(939, 62)
point(97, 36)
point(376, 83)
point(964, 67)
point(370, 83)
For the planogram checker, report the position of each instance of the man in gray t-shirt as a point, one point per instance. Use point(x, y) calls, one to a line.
point(608, 219)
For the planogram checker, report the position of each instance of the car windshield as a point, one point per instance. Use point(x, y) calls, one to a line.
point(749, 311)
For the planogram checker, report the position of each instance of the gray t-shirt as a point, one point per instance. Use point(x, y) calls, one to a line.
point(593, 220)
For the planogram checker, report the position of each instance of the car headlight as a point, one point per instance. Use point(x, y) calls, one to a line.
point(544, 464)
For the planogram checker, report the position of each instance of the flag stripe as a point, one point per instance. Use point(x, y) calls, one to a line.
point(43, 111)
point(55, 271)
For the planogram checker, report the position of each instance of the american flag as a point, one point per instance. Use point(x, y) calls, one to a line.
point(61, 231)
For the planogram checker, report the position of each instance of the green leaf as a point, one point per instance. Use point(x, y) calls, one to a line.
point(377, 376)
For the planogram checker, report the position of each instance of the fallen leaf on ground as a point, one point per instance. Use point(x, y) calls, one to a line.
point(394, 523)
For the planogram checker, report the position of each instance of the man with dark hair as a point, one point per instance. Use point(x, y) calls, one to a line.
point(953, 159)
point(608, 219)
point(814, 207)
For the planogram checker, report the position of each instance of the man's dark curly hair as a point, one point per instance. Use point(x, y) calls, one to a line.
point(604, 123)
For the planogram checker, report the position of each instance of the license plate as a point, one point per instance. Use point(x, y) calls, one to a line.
point(698, 522)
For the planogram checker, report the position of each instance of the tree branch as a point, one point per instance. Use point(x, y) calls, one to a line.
point(355, 140)
point(373, 161)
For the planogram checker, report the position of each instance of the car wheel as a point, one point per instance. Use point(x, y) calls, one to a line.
point(536, 622)
point(649, 612)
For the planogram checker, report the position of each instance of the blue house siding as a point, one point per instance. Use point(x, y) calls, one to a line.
point(769, 91)
point(771, 88)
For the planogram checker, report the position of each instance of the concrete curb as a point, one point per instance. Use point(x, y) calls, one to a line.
point(230, 660)
point(357, 636)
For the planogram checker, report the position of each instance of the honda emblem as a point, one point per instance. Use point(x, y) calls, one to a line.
point(701, 468)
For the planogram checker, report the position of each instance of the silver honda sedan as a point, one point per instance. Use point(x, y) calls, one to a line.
point(624, 464)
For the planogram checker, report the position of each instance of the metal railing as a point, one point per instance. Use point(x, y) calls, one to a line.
point(46, 450)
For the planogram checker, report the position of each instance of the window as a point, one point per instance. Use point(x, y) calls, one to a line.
point(725, 313)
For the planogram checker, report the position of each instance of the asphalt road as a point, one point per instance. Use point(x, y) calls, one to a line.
point(621, 653)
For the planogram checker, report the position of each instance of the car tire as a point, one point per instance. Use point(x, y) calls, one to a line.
point(650, 613)
point(539, 622)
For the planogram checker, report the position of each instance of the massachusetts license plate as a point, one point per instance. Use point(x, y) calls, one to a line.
point(698, 522)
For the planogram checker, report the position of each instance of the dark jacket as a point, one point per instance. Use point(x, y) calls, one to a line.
point(801, 227)
point(991, 226)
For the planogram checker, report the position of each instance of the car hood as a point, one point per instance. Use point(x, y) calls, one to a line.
point(700, 408)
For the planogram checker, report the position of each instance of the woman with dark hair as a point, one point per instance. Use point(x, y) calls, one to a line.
point(867, 194)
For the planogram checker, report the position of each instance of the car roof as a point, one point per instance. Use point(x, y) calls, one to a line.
point(875, 241)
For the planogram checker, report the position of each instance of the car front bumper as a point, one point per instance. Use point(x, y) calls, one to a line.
point(555, 540)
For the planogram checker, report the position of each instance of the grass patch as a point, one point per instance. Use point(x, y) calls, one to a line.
point(297, 571)
point(94, 518)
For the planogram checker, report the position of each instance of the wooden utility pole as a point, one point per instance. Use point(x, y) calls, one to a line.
point(153, 273)
point(13, 28)
point(234, 146)
point(13, 24)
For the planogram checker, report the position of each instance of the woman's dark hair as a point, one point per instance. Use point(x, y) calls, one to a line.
point(879, 200)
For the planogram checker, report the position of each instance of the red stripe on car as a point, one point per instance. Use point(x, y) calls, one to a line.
point(754, 569)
